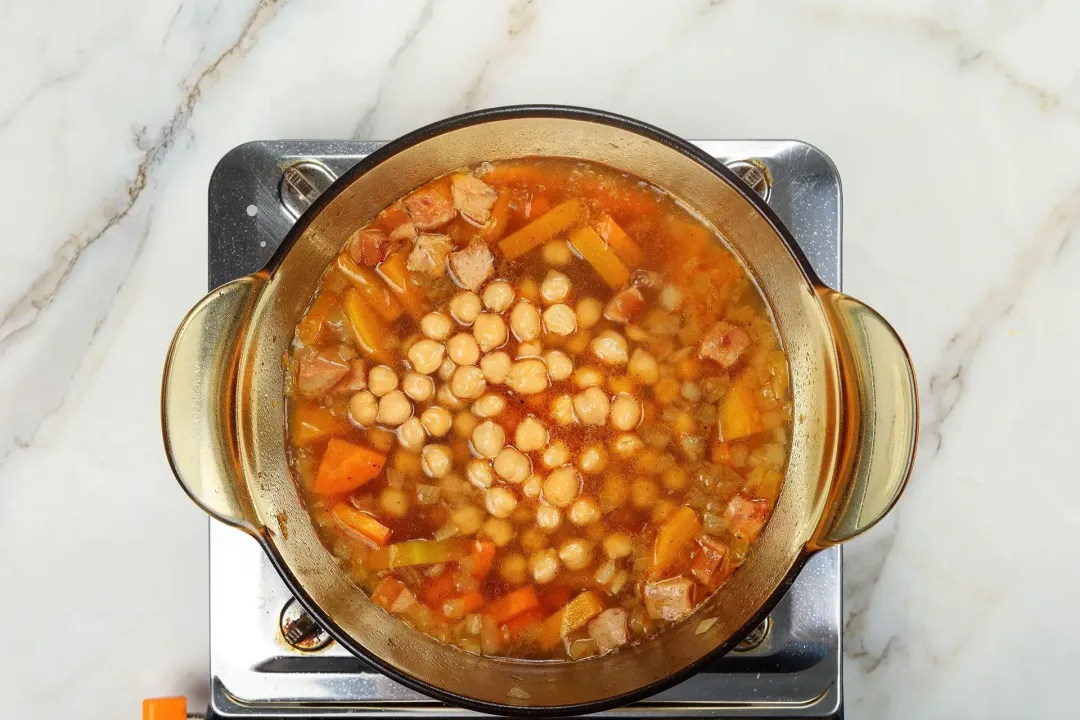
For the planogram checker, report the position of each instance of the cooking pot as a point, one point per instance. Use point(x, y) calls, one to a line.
point(853, 435)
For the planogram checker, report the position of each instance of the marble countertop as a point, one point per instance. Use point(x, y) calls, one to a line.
point(956, 128)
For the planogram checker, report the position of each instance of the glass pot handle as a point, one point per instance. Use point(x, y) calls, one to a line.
point(879, 420)
point(197, 402)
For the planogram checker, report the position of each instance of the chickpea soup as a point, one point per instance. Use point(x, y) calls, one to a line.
point(537, 410)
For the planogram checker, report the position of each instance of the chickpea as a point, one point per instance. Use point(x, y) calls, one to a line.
point(464, 423)
point(462, 349)
point(532, 539)
point(555, 288)
point(532, 487)
point(559, 319)
point(671, 298)
point(381, 440)
point(525, 321)
point(559, 365)
point(512, 465)
point(530, 435)
point(587, 377)
point(531, 349)
point(426, 356)
point(468, 382)
point(394, 408)
point(593, 459)
point(513, 569)
point(436, 326)
point(496, 367)
point(548, 517)
point(489, 406)
point(500, 531)
point(555, 455)
point(562, 410)
point(500, 502)
point(411, 434)
point(562, 486)
point(478, 472)
point(544, 566)
point(363, 408)
point(576, 553)
point(592, 406)
point(528, 377)
point(618, 545)
point(614, 493)
point(446, 397)
point(468, 519)
point(488, 439)
point(584, 511)
point(498, 296)
point(381, 380)
point(436, 420)
point(621, 384)
point(394, 502)
point(418, 387)
point(627, 445)
point(610, 347)
point(435, 460)
point(464, 307)
point(556, 253)
point(625, 412)
point(589, 311)
point(489, 331)
point(644, 493)
point(578, 342)
point(643, 367)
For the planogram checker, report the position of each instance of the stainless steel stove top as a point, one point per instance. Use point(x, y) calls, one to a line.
point(793, 670)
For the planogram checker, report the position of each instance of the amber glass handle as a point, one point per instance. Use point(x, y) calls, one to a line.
point(878, 420)
point(197, 393)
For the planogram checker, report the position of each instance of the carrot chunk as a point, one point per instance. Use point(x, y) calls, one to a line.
point(516, 626)
point(387, 591)
point(739, 415)
point(573, 615)
point(559, 219)
point(400, 280)
point(495, 227)
point(309, 424)
point(513, 604)
point(438, 590)
point(310, 328)
point(603, 260)
point(674, 541)
point(623, 245)
point(368, 330)
point(418, 552)
point(345, 467)
point(371, 287)
point(362, 524)
point(483, 556)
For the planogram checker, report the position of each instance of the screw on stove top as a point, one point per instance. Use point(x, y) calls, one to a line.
point(755, 638)
point(755, 174)
point(301, 183)
point(300, 630)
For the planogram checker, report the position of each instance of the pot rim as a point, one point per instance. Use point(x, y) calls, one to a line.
point(458, 122)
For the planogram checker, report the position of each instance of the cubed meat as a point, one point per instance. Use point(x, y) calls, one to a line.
point(708, 563)
point(430, 207)
point(429, 254)
point(473, 265)
point(405, 232)
point(625, 305)
point(608, 629)
point(316, 376)
point(472, 197)
point(355, 381)
point(671, 599)
point(745, 518)
point(368, 246)
point(725, 343)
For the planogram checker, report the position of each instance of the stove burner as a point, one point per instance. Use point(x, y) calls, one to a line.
point(268, 659)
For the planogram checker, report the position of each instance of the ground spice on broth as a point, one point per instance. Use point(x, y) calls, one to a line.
point(567, 460)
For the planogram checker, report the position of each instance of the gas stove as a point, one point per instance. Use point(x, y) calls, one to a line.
point(269, 660)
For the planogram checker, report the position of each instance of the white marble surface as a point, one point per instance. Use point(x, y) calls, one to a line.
point(956, 127)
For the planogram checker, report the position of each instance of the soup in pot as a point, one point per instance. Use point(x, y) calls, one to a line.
point(537, 409)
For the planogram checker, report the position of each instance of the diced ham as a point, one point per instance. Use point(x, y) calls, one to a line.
point(472, 197)
point(429, 254)
point(708, 560)
point(405, 232)
point(316, 376)
point(430, 207)
point(745, 518)
point(368, 246)
point(608, 629)
point(671, 599)
point(725, 343)
point(403, 601)
point(473, 265)
point(625, 305)
point(355, 381)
